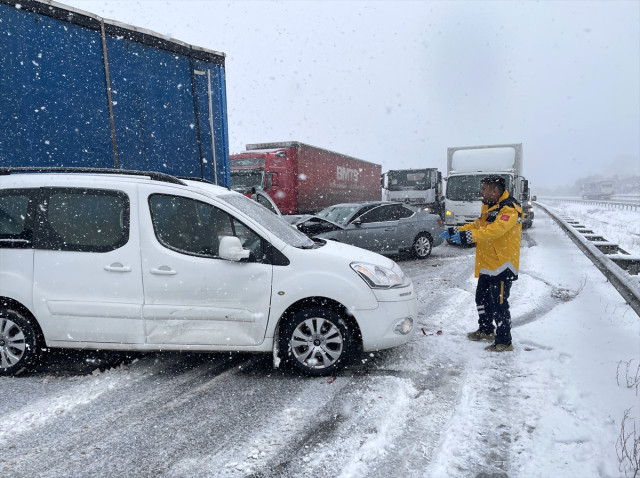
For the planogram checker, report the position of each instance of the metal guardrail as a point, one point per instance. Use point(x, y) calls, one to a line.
point(600, 251)
point(632, 204)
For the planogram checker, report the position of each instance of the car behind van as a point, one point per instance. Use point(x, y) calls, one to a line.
point(121, 260)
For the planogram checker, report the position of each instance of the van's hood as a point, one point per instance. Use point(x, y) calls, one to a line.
point(352, 253)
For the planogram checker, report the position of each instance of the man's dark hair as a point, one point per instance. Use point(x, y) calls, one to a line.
point(495, 180)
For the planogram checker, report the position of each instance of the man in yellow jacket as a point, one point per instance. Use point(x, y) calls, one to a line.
point(497, 233)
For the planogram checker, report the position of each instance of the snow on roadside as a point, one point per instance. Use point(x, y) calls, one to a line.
point(614, 224)
point(573, 351)
point(554, 406)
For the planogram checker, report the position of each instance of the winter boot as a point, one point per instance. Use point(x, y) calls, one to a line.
point(479, 335)
point(499, 348)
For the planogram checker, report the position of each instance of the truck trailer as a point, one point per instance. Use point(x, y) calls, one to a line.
point(598, 190)
point(304, 179)
point(418, 187)
point(78, 90)
point(467, 165)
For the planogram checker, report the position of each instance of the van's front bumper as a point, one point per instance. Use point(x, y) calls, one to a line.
point(386, 326)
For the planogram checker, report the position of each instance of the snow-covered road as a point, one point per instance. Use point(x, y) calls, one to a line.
point(439, 407)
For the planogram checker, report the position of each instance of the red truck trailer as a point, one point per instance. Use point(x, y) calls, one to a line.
point(304, 179)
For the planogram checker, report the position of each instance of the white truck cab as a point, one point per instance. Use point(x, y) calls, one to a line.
point(467, 165)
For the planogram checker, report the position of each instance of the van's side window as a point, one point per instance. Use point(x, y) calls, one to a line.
point(15, 218)
point(193, 227)
point(86, 220)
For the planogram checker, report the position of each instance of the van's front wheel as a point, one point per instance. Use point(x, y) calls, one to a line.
point(317, 342)
point(18, 343)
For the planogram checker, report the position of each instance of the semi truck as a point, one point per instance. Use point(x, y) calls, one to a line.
point(78, 90)
point(418, 187)
point(304, 179)
point(598, 190)
point(467, 165)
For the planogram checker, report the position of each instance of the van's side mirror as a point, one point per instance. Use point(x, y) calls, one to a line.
point(231, 249)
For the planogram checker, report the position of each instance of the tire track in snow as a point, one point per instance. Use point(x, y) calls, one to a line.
point(85, 430)
point(355, 430)
point(278, 430)
point(39, 413)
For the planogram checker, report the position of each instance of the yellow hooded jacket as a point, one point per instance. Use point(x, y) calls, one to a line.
point(497, 233)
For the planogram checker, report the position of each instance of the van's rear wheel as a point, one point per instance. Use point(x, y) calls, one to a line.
point(316, 342)
point(422, 246)
point(18, 343)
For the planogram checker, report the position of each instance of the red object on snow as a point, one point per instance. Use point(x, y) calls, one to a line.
point(439, 332)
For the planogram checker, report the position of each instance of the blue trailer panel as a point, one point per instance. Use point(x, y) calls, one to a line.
point(77, 90)
point(54, 109)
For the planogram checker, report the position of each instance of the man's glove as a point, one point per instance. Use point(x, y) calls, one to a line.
point(464, 237)
point(448, 232)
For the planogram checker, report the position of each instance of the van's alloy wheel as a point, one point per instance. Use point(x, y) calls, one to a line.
point(316, 341)
point(18, 343)
point(422, 246)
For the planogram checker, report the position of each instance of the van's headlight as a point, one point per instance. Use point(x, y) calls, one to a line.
point(379, 277)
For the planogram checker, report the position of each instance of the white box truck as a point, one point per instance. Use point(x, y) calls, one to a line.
point(467, 165)
point(418, 187)
point(598, 190)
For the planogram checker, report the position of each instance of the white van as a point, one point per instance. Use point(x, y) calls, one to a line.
point(119, 260)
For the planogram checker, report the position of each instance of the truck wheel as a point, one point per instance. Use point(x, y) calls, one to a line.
point(422, 246)
point(18, 343)
point(316, 342)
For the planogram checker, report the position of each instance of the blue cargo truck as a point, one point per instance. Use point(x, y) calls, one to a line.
point(80, 90)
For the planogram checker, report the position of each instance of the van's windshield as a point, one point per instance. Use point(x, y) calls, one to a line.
point(274, 223)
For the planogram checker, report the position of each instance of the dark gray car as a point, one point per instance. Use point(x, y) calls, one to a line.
point(388, 228)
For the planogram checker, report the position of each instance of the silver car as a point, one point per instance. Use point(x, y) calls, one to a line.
point(388, 228)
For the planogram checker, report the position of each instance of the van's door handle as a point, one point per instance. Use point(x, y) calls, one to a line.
point(117, 267)
point(390, 229)
point(163, 271)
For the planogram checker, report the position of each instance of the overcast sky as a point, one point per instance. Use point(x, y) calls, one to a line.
point(396, 83)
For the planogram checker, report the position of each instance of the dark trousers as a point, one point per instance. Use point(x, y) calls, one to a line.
point(493, 307)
